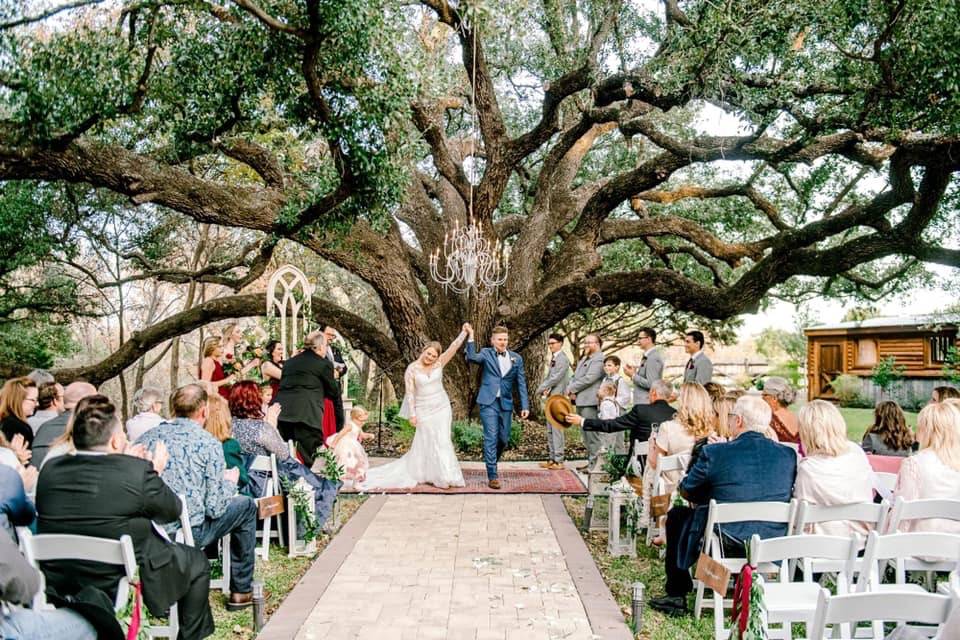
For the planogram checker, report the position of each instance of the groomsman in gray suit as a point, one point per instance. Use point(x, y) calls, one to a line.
point(699, 368)
point(583, 391)
point(555, 383)
point(650, 368)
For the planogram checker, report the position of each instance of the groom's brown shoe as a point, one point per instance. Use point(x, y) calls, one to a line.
point(494, 484)
point(546, 465)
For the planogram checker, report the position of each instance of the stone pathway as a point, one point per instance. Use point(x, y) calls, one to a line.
point(459, 567)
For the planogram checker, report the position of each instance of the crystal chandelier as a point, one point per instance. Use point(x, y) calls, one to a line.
point(468, 262)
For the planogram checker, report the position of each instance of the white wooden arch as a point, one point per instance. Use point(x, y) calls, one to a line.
point(291, 309)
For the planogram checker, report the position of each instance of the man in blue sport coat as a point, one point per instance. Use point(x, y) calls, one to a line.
point(749, 468)
point(502, 373)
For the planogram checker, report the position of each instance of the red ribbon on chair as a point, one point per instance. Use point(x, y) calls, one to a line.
point(134, 627)
point(740, 612)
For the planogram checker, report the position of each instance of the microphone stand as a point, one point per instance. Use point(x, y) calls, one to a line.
point(378, 380)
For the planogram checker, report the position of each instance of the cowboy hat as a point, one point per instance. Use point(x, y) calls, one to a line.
point(557, 409)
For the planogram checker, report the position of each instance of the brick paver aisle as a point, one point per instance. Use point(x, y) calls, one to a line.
point(474, 567)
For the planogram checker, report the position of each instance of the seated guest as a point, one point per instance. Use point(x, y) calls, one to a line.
point(749, 468)
point(102, 493)
point(695, 419)
point(18, 401)
point(934, 472)
point(53, 430)
point(258, 436)
point(149, 403)
point(49, 405)
point(715, 390)
point(19, 583)
point(639, 421)
point(834, 470)
point(198, 471)
point(940, 394)
point(220, 427)
point(16, 509)
point(778, 393)
point(889, 435)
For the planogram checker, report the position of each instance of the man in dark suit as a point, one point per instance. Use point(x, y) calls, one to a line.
point(307, 379)
point(749, 468)
point(102, 493)
point(639, 420)
point(52, 429)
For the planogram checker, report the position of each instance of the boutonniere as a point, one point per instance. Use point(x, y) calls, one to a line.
point(513, 359)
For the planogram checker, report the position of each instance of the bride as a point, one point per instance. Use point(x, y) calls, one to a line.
point(431, 458)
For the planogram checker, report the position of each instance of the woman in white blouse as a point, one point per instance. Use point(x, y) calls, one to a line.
point(835, 471)
point(934, 472)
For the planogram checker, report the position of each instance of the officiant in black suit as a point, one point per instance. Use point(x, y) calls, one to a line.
point(308, 378)
point(639, 420)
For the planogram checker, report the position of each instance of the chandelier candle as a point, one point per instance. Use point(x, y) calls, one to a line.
point(469, 261)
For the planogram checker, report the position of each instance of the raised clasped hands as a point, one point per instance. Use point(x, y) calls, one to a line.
point(273, 414)
point(19, 446)
point(468, 329)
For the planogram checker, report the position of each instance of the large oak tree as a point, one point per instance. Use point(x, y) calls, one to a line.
point(701, 154)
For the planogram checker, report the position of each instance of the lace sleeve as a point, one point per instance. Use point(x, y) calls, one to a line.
point(451, 351)
point(408, 408)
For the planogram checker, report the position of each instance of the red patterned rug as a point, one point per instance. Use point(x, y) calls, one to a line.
point(511, 481)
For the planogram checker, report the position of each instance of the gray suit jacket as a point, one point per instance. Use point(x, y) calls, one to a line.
point(587, 379)
point(698, 369)
point(557, 375)
point(46, 434)
point(649, 371)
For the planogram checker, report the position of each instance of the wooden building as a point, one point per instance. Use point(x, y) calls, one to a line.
point(919, 343)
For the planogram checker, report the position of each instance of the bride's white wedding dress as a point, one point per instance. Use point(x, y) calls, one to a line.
point(431, 458)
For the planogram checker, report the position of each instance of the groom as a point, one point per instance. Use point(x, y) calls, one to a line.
point(502, 370)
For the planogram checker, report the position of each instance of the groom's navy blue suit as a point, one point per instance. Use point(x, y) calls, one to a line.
point(496, 400)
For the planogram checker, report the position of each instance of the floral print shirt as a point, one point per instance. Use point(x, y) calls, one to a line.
point(195, 468)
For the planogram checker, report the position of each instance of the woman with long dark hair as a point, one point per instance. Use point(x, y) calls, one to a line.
point(272, 367)
point(889, 434)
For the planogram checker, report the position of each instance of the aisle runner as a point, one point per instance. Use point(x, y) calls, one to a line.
point(511, 480)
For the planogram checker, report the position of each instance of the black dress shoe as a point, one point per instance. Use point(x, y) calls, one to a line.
point(670, 605)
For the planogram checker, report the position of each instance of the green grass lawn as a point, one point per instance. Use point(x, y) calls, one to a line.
point(279, 575)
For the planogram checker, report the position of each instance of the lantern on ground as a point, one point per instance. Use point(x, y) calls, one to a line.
point(622, 520)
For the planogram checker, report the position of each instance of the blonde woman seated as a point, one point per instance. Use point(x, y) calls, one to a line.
point(934, 472)
point(695, 419)
point(835, 470)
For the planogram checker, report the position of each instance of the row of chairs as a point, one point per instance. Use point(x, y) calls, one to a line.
point(827, 554)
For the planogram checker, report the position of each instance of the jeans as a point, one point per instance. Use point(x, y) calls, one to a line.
point(240, 521)
point(60, 624)
point(496, 434)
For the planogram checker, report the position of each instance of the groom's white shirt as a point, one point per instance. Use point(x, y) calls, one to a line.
point(504, 363)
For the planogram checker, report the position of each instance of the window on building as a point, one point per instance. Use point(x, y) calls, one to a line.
point(866, 352)
point(939, 345)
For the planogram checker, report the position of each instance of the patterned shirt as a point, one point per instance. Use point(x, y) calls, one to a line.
point(259, 438)
point(195, 468)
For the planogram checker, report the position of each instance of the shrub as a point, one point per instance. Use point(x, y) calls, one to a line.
point(846, 388)
point(886, 373)
point(468, 436)
point(390, 412)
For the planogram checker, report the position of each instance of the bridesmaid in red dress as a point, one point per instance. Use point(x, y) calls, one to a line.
point(211, 371)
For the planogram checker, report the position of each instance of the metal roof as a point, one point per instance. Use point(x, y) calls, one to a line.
point(928, 320)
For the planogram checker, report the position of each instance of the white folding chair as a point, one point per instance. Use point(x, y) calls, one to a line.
point(942, 551)
point(665, 464)
point(872, 514)
point(268, 465)
point(50, 547)
point(787, 601)
point(185, 536)
point(906, 510)
point(640, 452)
point(884, 483)
point(727, 513)
point(901, 607)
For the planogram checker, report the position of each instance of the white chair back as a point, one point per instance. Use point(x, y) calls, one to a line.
point(870, 513)
point(902, 548)
point(268, 464)
point(842, 550)
point(47, 547)
point(905, 510)
point(884, 483)
point(923, 608)
point(185, 534)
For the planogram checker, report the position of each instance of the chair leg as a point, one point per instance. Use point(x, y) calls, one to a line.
point(698, 603)
point(265, 549)
point(718, 631)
